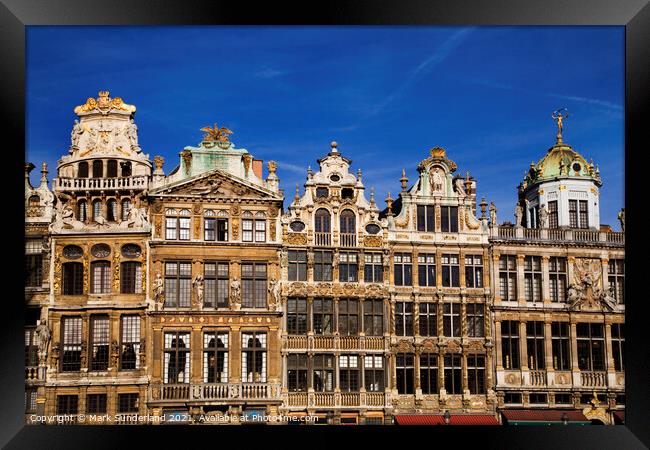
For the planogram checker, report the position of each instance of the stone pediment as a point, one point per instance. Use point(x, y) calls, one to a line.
point(216, 184)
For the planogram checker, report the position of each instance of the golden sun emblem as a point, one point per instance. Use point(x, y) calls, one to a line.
point(216, 134)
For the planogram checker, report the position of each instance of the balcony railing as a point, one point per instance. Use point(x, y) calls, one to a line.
point(337, 400)
point(557, 234)
point(335, 343)
point(321, 238)
point(593, 379)
point(74, 184)
point(215, 391)
point(31, 373)
point(348, 240)
point(538, 378)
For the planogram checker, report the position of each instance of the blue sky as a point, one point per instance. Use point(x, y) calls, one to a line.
point(386, 94)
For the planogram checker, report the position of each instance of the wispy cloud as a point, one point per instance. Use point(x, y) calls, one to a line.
point(292, 168)
point(269, 73)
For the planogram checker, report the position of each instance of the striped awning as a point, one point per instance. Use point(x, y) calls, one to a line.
point(550, 416)
point(455, 419)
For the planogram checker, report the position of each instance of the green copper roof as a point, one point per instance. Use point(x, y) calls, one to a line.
point(561, 161)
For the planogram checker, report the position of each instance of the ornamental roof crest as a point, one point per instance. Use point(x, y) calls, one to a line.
point(104, 104)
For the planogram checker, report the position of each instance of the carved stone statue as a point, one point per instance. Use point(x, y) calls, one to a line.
point(137, 218)
point(132, 134)
point(543, 217)
point(44, 334)
point(198, 285)
point(493, 214)
point(460, 188)
point(84, 354)
point(437, 181)
point(159, 289)
point(143, 353)
point(115, 354)
point(64, 218)
point(235, 292)
point(55, 354)
point(608, 297)
point(576, 295)
point(621, 218)
point(274, 294)
point(76, 133)
point(519, 214)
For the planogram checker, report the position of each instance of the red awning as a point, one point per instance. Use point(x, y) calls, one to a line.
point(464, 419)
point(619, 417)
point(543, 415)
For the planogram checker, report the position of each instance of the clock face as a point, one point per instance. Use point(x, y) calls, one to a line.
point(577, 167)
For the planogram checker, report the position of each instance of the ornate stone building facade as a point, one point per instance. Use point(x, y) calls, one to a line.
point(558, 279)
point(194, 296)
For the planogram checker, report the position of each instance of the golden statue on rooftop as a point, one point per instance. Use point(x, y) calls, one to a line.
point(559, 116)
point(216, 134)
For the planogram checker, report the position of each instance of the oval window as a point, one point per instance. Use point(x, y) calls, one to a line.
point(100, 251)
point(372, 228)
point(335, 178)
point(131, 250)
point(577, 167)
point(72, 251)
point(297, 226)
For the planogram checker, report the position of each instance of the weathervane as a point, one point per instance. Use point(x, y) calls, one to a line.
point(559, 116)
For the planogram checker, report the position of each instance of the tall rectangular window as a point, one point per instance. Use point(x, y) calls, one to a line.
point(561, 345)
point(474, 271)
point(349, 373)
point(449, 219)
point(131, 277)
point(429, 373)
point(476, 373)
point(322, 265)
point(217, 284)
point(453, 373)
point(253, 363)
point(403, 269)
point(508, 278)
point(475, 319)
point(128, 402)
point(535, 345)
point(96, 403)
point(297, 265)
point(348, 267)
point(247, 230)
point(510, 344)
point(573, 213)
point(31, 347)
point(348, 317)
point(99, 345)
point(425, 218)
point(177, 357)
point(374, 373)
point(533, 278)
point(583, 215)
point(100, 281)
point(215, 229)
point(404, 319)
point(451, 319)
point(297, 372)
point(618, 344)
point(323, 372)
point(591, 346)
point(31, 394)
point(67, 404)
point(557, 279)
point(552, 214)
point(73, 274)
point(254, 285)
point(71, 332)
point(373, 268)
point(296, 315)
point(254, 227)
point(427, 269)
point(405, 371)
point(177, 224)
point(428, 319)
point(178, 284)
point(215, 357)
point(322, 313)
point(373, 317)
point(450, 271)
point(130, 342)
point(616, 277)
point(33, 263)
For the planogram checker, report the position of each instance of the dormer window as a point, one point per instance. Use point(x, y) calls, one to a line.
point(322, 192)
point(347, 193)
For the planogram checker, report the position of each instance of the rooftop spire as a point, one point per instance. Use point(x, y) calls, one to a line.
point(333, 144)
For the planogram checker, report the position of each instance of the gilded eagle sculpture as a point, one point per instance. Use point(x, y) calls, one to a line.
point(216, 134)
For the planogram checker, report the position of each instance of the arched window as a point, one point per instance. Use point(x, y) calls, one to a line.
point(126, 168)
point(34, 200)
point(111, 210)
point(83, 170)
point(131, 277)
point(97, 209)
point(322, 221)
point(111, 168)
point(82, 210)
point(98, 168)
point(73, 278)
point(348, 221)
point(126, 206)
point(100, 277)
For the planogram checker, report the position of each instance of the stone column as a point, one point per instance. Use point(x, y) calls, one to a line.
point(575, 370)
point(495, 273)
point(235, 355)
point(523, 354)
point(548, 354)
point(605, 273)
point(521, 297)
point(415, 271)
point(196, 356)
point(609, 354)
point(461, 268)
point(438, 263)
point(546, 295)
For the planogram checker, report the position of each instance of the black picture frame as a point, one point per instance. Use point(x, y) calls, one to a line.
point(15, 15)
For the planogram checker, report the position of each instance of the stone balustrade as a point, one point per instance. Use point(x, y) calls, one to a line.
point(337, 399)
point(557, 234)
point(335, 343)
point(214, 391)
point(91, 184)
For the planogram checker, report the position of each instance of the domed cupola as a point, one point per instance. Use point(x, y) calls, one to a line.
point(561, 190)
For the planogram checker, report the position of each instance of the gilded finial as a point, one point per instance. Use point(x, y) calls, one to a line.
point(389, 204)
point(403, 180)
point(559, 115)
point(297, 196)
point(483, 205)
point(372, 197)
